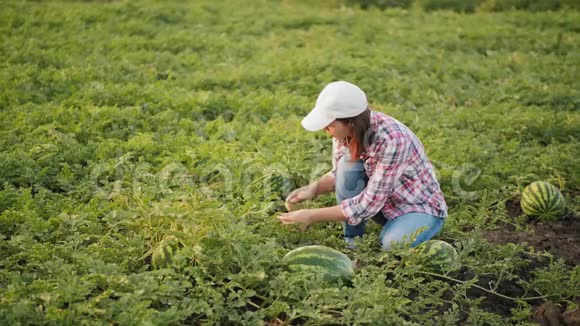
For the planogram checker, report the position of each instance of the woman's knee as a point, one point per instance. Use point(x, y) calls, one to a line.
point(390, 239)
point(404, 234)
point(350, 178)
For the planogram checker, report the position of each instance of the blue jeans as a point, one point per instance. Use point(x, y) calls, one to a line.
point(351, 180)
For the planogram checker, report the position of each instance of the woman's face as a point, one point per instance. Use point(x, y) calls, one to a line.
point(339, 130)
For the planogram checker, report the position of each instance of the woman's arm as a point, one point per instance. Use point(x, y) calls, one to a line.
point(305, 217)
point(323, 185)
point(326, 214)
point(319, 187)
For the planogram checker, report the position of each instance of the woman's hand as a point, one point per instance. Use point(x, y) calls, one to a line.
point(305, 217)
point(299, 195)
point(302, 217)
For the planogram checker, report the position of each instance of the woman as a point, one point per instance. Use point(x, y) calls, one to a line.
point(380, 172)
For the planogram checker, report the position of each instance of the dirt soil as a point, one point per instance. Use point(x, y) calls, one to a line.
point(560, 238)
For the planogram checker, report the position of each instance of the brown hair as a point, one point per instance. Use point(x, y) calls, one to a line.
point(362, 133)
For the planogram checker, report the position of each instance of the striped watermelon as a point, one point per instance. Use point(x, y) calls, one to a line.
point(163, 253)
point(330, 262)
point(438, 256)
point(544, 200)
point(281, 185)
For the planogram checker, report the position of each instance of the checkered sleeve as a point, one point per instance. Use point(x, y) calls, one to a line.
point(393, 154)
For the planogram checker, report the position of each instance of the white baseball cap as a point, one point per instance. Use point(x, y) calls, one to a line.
point(337, 100)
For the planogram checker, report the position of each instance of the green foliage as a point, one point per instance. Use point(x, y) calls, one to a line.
point(469, 6)
point(455, 5)
point(124, 123)
point(382, 4)
point(557, 281)
point(541, 5)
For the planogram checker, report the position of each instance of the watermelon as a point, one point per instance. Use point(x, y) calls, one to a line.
point(543, 200)
point(438, 256)
point(281, 185)
point(162, 254)
point(331, 263)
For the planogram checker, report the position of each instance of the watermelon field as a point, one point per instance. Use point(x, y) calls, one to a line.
point(128, 125)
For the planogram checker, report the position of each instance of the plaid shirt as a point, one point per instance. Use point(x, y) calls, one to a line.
point(401, 177)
